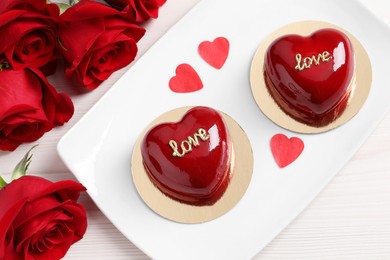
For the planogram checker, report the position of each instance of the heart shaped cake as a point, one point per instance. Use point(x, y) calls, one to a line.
point(190, 161)
point(311, 78)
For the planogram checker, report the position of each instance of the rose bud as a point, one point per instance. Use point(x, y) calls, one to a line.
point(40, 219)
point(28, 33)
point(96, 40)
point(29, 107)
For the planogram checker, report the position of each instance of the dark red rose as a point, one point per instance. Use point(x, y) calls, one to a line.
point(140, 10)
point(40, 219)
point(29, 107)
point(96, 40)
point(28, 32)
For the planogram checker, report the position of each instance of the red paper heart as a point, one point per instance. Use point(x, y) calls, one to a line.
point(309, 77)
point(214, 53)
point(193, 171)
point(285, 150)
point(186, 80)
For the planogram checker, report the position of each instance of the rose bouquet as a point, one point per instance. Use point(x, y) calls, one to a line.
point(40, 219)
point(92, 37)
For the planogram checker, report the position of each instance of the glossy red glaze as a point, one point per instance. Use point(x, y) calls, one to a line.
point(316, 93)
point(200, 176)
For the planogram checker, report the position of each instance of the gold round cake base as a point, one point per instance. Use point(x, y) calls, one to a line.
point(359, 93)
point(185, 213)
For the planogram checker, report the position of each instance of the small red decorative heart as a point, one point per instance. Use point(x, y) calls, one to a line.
point(214, 53)
point(309, 77)
point(285, 150)
point(186, 80)
point(189, 161)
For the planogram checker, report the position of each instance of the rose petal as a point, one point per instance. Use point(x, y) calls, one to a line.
point(36, 207)
point(32, 188)
point(34, 229)
point(7, 17)
point(6, 231)
point(27, 132)
point(86, 34)
point(26, 90)
point(58, 106)
point(34, 4)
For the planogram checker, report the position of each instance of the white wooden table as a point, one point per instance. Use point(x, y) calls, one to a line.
point(350, 219)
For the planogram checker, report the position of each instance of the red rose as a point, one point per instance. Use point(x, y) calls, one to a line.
point(40, 219)
point(96, 40)
point(29, 107)
point(140, 10)
point(28, 32)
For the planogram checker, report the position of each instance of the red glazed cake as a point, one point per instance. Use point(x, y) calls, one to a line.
point(190, 161)
point(311, 78)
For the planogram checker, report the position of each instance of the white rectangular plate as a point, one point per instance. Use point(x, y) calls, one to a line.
point(99, 147)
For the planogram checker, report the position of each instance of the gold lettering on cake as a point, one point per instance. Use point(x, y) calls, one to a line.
point(306, 62)
point(186, 145)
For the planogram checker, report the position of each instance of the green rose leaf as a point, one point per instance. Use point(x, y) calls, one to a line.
point(63, 4)
point(2, 183)
point(22, 166)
